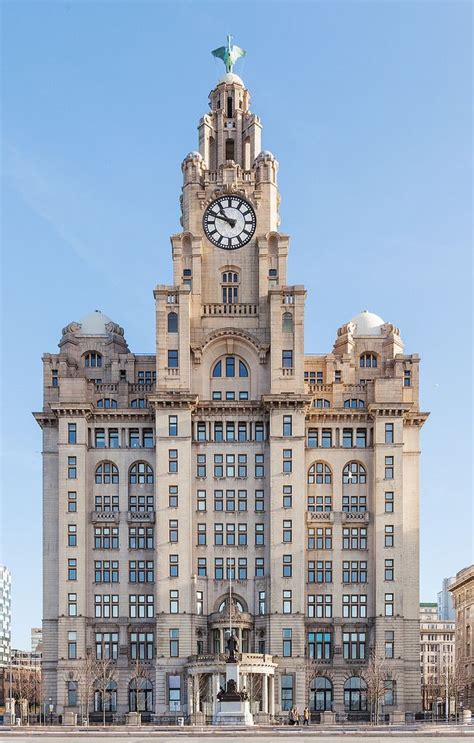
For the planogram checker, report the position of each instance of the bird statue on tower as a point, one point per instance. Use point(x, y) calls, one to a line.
point(229, 54)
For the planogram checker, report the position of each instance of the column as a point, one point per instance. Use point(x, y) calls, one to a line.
point(222, 645)
point(265, 694)
point(271, 680)
point(190, 695)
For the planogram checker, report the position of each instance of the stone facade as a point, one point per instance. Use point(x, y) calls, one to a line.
point(463, 595)
point(437, 639)
point(230, 480)
point(5, 614)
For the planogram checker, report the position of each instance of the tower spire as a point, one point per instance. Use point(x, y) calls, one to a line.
point(229, 54)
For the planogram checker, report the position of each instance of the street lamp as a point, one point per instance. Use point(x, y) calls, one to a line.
point(50, 711)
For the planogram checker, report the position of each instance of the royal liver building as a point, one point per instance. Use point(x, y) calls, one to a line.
point(230, 481)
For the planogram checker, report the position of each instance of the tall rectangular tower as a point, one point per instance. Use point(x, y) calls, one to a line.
point(229, 484)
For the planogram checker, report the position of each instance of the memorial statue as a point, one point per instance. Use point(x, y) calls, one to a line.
point(232, 646)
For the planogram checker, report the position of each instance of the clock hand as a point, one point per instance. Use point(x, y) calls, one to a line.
point(226, 219)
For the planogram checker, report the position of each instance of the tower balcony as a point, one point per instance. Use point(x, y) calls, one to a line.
point(245, 310)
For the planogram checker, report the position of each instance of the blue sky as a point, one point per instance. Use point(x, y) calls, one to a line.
point(366, 106)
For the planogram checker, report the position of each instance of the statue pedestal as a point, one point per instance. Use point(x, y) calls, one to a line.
point(232, 708)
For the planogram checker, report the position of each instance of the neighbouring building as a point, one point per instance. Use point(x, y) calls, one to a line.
point(463, 595)
point(36, 639)
point(445, 601)
point(436, 659)
point(228, 480)
point(5, 614)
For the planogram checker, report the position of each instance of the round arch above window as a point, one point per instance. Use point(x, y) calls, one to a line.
point(287, 322)
point(320, 473)
point(230, 366)
point(106, 473)
point(92, 359)
point(238, 605)
point(354, 473)
point(141, 473)
point(172, 322)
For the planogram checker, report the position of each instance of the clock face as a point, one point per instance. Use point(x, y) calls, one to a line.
point(229, 222)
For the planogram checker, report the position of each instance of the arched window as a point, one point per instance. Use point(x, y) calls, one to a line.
point(229, 107)
point(217, 371)
point(236, 605)
point(354, 473)
point(243, 371)
point(287, 322)
point(355, 694)
point(321, 403)
point(172, 322)
point(319, 474)
point(230, 368)
point(141, 473)
point(140, 695)
point(321, 694)
point(106, 473)
point(139, 402)
point(110, 698)
point(72, 693)
point(92, 359)
point(106, 402)
point(354, 403)
point(368, 361)
point(229, 149)
point(230, 287)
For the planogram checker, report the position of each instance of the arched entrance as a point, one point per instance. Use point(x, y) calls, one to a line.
point(321, 694)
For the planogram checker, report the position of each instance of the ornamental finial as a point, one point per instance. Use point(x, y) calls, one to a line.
point(229, 54)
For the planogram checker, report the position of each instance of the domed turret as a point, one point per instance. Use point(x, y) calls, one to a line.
point(94, 323)
point(367, 323)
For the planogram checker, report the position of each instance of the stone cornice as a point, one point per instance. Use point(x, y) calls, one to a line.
point(72, 409)
point(392, 409)
point(344, 414)
point(284, 400)
point(174, 400)
point(45, 419)
point(415, 418)
point(227, 407)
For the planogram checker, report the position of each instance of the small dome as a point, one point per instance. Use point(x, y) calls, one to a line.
point(367, 323)
point(230, 77)
point(193, 154)
point(94, 324)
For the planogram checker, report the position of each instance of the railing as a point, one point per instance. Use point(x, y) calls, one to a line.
point(358, 516)
point(287, 372)
point(109, 516)
point(320, 516)
point(148, 516)
point(106, 387)
point(319, 387)
point(172, 371)
point(141, 387)
point(250, 310)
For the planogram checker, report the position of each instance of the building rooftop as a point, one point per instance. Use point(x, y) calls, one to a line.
point(367, 323)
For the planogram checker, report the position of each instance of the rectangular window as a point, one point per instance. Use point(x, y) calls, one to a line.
point(261, 602)
point(174, 692)
point(201, 465)
point(218, 500)
point(319, 645)
point(134, 438)
point(173, 496)
point(389, 644)
point(230, 395)
point(389, 697)
point(230, 431)
point(71, 433)
point(389, 502)
point(287, 566)
point(319, 571)
point(354, 571)
point(72, 468)
point(287, 531)
point(389, 570)
point(242, 574)
point(389, 604)
point(148, 439)
point(389, 535)
point(173, 530)
point(230, 535)
point(72, 645)
point(54, 378)
point(242, 465)
point(243, 395)
point(320, 606)
point(173, 425)
point(259, 567)
point(287, 359)
point(72, 501)
point(287, 603)
point(259, 535)
point(173, 359)
point(201, 433)
point(259, 432)
point(242, 431)
point(389, 433)
point(287, 460)
point(361, 438)
point(259, 465)
point(218, 432)
point(287, 425)
point(354, 645)
point(219, 534)
point(312, 439)
point(174, 643)
point(286, 688)
point(172, 461)
point(287, 496)
point(389, 468)
point(326, 438)
point(407, 378)
point(201, 500)
point(354, 503)
point(141, 571)
point(106, 606)
point(106, 571)
point(347, 438)
point(106, 645)
point(230, 465)
point(201, 534)
point(114, 441)
point(337, 376)
point(242, 535)
point(72, 569)
point(216, 395)
point(199, 603)
point(72, 604)
point(72, 535)
point(141, 645)
point(287, 643)
point(174, 602)
point(140, 537)
point(354, 606)
point(354, 538)
point(174, 566)
point(218, 568)
point(202, 567)
point(99, 442)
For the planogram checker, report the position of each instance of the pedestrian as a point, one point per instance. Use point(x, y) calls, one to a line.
point(306, 716)
point(297, 715)
point(291, 716)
